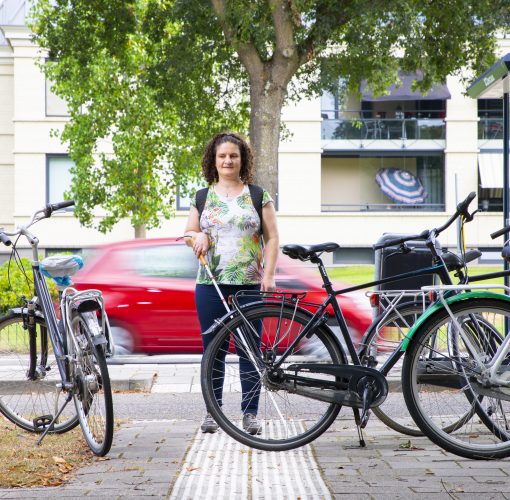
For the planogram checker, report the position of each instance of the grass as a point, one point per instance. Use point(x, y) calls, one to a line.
point(23, 464)
point(356, 275)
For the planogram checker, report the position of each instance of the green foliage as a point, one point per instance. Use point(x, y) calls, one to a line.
point(156, 78)
point(14, 285)
point(99, 58)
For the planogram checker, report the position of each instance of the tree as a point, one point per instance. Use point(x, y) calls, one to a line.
point(276, 50)
point(98, 59)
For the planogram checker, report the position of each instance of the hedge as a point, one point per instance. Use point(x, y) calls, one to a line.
point(13, 285)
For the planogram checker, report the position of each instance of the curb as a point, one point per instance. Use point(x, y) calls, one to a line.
point(136, 383)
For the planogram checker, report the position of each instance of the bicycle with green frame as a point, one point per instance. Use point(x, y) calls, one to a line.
point(305, 375)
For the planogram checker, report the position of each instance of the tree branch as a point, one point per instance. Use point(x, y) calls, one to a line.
point(247, 52)
point(283, 27)
point(331, 16)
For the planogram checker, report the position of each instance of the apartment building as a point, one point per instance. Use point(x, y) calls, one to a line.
point(328, 166)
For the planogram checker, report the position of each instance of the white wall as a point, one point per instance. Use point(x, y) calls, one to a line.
point(25, 140)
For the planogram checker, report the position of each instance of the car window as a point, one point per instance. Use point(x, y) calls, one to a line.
point(163, 261)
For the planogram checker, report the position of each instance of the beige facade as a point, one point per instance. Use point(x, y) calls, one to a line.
point(311, 177)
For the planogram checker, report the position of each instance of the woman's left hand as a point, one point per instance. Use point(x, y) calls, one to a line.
point(268, 284)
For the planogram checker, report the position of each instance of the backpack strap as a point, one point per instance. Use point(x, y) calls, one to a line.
point(257, 193)
point(200, 198)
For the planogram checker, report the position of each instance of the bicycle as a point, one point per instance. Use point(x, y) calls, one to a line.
point(298, 358)
point(390, 328)
point(459, 359)
point(46, 362)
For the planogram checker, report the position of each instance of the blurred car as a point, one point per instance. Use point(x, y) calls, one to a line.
point(148, 287)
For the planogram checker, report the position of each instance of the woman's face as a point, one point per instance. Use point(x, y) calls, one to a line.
point(228, 161)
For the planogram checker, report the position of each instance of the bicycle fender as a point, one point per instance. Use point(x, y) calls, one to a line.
point(450, 300)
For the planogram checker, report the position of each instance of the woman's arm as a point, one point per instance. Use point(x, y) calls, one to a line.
point(271, 246)
point(198, 240)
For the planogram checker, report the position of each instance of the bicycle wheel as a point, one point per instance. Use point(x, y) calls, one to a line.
point(445, 376)
point(382, 339)
point(30, 401)
point(92, 390)
point(237, 380)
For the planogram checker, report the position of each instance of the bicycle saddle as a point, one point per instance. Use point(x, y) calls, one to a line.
point(306, 251)
point(454, 261)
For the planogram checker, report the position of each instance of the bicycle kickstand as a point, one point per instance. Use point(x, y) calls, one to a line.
point(52, 423)
point(362, 419)
point(359, 426)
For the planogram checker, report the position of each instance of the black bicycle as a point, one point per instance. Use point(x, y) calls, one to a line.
point(46, 361)
point(304, 375)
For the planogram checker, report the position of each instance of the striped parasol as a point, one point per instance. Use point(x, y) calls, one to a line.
point(401, 186)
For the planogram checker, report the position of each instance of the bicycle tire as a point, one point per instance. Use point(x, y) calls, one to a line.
point(92, 395)
point(441, 382)
point(382, 338)
point(22, 400)
point(288, 420)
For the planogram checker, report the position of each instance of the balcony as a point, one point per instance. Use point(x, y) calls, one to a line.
point(412, 127)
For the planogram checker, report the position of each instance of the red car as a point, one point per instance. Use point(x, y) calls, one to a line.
point(148, 288)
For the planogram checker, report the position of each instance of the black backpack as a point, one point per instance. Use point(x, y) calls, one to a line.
point(256, 193)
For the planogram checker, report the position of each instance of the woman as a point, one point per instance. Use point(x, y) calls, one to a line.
point(228, 233)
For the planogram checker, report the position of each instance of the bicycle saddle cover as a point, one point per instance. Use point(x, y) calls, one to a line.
point(61, 268)
point(306, 251)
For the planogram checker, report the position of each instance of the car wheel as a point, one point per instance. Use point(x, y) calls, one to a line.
point(123, 339)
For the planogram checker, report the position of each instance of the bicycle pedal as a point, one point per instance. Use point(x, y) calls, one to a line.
point(42, 422)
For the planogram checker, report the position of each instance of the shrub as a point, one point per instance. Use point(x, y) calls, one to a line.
point(13, 285)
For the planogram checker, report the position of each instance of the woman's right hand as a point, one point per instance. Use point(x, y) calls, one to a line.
point(200, 244)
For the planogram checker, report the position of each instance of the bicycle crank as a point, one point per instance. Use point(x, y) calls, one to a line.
point(353, 386)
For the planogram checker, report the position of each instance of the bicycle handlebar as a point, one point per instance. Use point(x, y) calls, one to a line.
point(44, 213)
point(398, 241)
point(501, 231)
point(5, 240)
point(462, 209)
point(53, 207)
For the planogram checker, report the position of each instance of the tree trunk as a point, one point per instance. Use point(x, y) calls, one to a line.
point(140, 231)
point(266, 106)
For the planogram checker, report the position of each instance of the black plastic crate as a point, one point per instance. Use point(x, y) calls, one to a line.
point(390, 261)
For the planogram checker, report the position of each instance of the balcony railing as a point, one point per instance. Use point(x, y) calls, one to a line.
point(414, 128)
point(490, 128)
point(380, 207)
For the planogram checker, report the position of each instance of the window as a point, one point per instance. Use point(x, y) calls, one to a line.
point(164, 261)
point(58, 177)
point(349, 182)
point(490, 112)
point(184, 195)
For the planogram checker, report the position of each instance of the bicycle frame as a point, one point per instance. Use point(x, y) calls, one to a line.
point(43, 299)
point(315, 318)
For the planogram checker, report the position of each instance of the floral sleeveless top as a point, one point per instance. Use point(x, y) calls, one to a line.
point(233, 226)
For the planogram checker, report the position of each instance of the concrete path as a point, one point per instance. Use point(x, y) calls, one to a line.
point(173, 459)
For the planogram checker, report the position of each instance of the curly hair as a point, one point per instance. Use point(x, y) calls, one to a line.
point(209, 157)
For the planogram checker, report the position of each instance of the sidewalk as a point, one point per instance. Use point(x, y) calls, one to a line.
point(173, 459)
point(170, 459)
